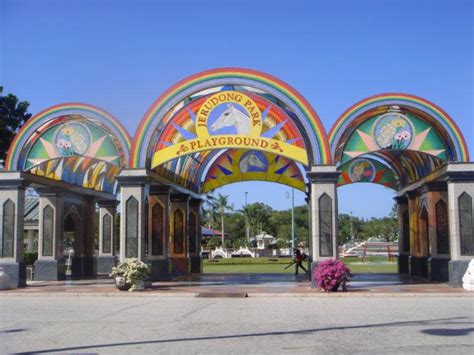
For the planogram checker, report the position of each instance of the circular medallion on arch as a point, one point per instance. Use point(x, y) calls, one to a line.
point(253, 161)
point(393, 130)
point(72, 138)
point(362, 170)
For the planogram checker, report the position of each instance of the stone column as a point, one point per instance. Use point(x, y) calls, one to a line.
point(310, 219)
point(50, 265)
point(418, 259)
point(134, 193)
point(106, 258)
point(323, 213)
point(12, 211)
point(461, 219)
point(179, 231)
point(89, 259)
point(435, 198)
point(194, 244)
point(403, 234)
point(159, 232)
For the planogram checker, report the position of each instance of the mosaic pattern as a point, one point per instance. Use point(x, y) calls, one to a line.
point(77, 152)
point(230, 119)
point(245, 165)
point(405, 105)
point(229, 79)
point(397, 131)
point(393, 131)
point(367, 170)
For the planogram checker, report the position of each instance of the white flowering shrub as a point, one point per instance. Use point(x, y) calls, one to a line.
point(133, 270)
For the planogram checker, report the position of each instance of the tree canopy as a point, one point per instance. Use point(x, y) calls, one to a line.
point(262, 217)
point(13, 115)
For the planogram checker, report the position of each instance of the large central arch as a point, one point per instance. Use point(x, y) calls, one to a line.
point(281, 118)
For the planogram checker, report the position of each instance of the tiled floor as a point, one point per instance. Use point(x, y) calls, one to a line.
point(251, 284)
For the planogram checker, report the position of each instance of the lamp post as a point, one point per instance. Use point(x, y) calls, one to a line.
point(292, 217)
point(352, 228)
point(247, 228)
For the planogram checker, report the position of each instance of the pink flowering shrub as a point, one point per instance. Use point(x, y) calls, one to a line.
point(330, 274)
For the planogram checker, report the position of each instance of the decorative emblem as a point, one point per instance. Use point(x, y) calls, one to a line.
point(393, 130)
point(362, 170)
point(224, 120)
point(253, 161)
point(72, 138)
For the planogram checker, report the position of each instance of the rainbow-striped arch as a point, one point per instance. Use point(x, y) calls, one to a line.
point(318, 150)
point(105, 153)
point(445, 125)
point(412, 136)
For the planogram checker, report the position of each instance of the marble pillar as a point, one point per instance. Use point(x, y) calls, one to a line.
point(324, 215)
point(194, 233)
point(50, 265)
point(403, 234)
point(107, 231)
point(12, 206)
point(460, 219)
point(179, 233)
point(159, 232)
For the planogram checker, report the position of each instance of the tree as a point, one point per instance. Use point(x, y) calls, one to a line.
point(13, 115)
point(222, 205)
point(258, 217)
point(209, 212)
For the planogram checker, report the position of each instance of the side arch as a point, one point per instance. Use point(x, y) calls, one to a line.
point(77, 143)
point(409, 135)
point(379, 104)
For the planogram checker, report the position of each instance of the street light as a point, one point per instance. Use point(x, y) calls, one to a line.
point(352, 228)
point(247, 228)
point(292, 217)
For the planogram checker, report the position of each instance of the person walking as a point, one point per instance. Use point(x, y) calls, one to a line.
point(300, 256)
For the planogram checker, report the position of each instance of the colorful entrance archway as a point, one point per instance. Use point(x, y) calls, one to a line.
point(227, 125)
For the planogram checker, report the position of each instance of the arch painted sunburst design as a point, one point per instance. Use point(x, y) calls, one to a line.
point(72, 136)
point(245, 165)
point(394, 130)
point(76, 143)
point(75, 151)
point(268, 124)
point(365, 169)
point(177, 96)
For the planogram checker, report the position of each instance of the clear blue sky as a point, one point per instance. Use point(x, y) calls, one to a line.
point(121, 55)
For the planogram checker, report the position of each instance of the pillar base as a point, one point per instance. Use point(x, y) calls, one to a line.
point(419, 266)
point(196, 264)
point(457, 269)
point(438, 269)
point(14, 275)
point(105, 263)
point(160, 270)
point(313, 267)
point(403, 264)
point(50, 270)
point(179, 266)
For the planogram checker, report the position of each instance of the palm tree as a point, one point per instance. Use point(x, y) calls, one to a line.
point(222, 204)
point(209, 210)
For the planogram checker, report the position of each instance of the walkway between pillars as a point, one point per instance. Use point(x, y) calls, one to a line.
point(251, 285)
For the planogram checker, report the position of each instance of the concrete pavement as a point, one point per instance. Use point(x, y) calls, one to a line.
point(184, 325)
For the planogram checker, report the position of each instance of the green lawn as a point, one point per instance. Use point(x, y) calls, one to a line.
point(277, 265)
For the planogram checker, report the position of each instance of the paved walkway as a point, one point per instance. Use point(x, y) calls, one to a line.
point(251, 285)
